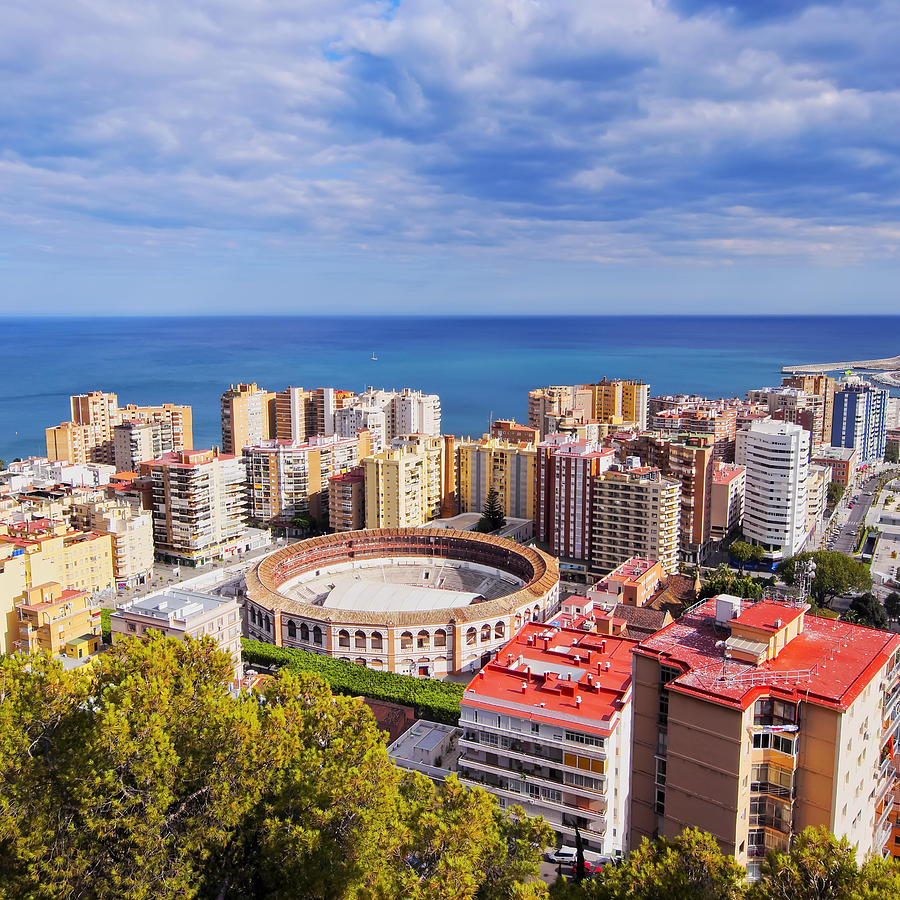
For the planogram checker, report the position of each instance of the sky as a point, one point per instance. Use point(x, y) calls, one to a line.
point(461, 156)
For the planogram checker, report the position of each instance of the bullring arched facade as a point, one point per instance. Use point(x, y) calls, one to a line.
point(458, 638)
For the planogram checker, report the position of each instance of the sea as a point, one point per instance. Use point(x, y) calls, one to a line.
point(482, 367)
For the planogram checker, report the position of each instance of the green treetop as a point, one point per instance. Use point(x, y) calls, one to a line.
point(492, 517)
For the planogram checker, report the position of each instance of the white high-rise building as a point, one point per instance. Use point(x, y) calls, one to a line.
point(776, 458)
point(350, 420)
point(405, 412)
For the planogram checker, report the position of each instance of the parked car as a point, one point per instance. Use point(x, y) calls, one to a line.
point(563, 855)
point(591, 868)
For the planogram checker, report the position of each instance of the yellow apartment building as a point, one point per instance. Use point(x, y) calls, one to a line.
point(248, 417)
point(507, 467)
point(54, 620)
point(405, 487)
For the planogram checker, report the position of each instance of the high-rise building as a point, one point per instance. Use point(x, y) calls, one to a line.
point(248, 417)
point(715, 419)
point(816, 496)
point(287, 479)
point(795, 405)
point(302, 414)
point(555, 402)
point(690, 460)
point(619, 401)
point(726, 508)
point(131, 530)
point(564, 469)
point(635, 512)
point(547, 726)
point(89, 435)
point(820, 385)
point(507, 467)
point(776, 458)
point(755, 720)
point(137, 442)
point(405, 486)
point(199, 504)
point(347, 500)
point(860, 418)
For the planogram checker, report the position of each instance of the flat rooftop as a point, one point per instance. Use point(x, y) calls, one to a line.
point(829, 662)
point(174, 604)
point(558, 675)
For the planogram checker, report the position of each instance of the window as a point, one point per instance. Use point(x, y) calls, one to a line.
point(304, 632)
point(660, 805)
point(359, 640)
point(765, 740)
point(499, 630)
point(576, 737)
point(774, 712)
point(535, 728)
point(317, 636)
point(423, 640)
point(661, 772)
point(471, 636)
point(377, 641)
point(344, 639)
point(485, 633)
point(440, 638)
point(292, 629)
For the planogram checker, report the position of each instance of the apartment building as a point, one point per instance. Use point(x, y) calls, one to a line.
point(564, 471)
point(843, 462)
point(690, 460)
point(287, 479)
point(13, 588)
point(790, 404)
point(776, 458)
point(547, 726)
point(58, 621)
point(89, 435)
point(555, 402)
point(137, 442)
point(180, 614)
point(726, 508)
point(347, 500)
point(514, 432)
point(302, 414)
point(717, 419)
point(636, 511)
point(618, 401)
point(131, 530)
point(819, 385)
point(508, 468)
point(860, 419)
point(405, 486)
point(54, 552)
point(248, 416)
point(199, 504)
point(634, 583)
point(754, 721)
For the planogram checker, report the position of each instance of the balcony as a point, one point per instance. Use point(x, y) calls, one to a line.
point(553, 780)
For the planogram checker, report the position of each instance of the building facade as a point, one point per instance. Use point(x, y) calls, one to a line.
point(776, 458)
point(860, 419)
point(507, 467)
point(635, 512)
point(51, 618)
point(347, 500)
point(199, 504)
point(547, 726)
point(726, 509)
point(248, 417)
point(754, 721)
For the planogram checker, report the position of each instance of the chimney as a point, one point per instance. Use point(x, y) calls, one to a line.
point(603, 646)
point(578, 701)
point(524, 686)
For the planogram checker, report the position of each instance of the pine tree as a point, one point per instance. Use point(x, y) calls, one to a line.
point(492, 517)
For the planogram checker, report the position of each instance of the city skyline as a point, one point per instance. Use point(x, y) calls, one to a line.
point(493, 157)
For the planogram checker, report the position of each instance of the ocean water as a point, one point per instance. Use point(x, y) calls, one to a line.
point(480, 366)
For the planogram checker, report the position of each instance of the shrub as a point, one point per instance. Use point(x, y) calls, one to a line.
point(437, 701)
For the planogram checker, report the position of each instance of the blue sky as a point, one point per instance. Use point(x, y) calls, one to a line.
point(230, 156)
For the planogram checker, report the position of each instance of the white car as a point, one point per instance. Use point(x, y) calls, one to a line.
point(564, 855)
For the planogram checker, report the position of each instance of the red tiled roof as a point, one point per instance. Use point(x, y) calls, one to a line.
point(830, 661)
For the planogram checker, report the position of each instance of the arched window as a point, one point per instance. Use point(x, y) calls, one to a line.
point(485, 633)
point(423, 640)
point(500, 630)
point(377, 641)
point(377, 664)
point(518, 621)
point(292, 629)
point(359, 640)
point(406, 640)
point(268, 624)
point(304, 632)
point(471, 636)
point(253, 614)
point(343, 638)
point(360, 661)
point(317, 636)
point(440, 638)
point(536, 615)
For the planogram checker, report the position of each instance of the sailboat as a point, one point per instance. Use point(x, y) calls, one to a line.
point(373, 357)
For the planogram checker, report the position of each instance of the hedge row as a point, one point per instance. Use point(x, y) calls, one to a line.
point(437, 701)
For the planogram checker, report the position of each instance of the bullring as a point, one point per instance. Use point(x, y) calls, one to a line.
point(412, 600)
